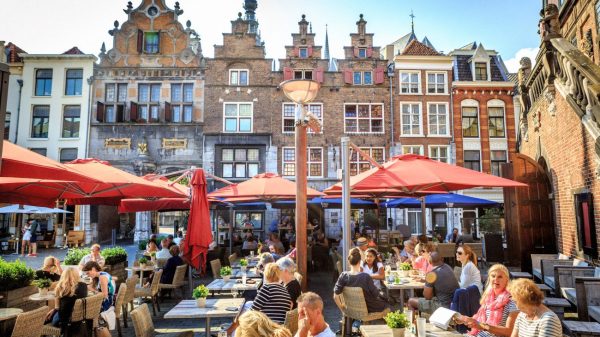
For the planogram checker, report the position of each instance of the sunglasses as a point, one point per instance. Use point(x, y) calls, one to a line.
point(459, 253)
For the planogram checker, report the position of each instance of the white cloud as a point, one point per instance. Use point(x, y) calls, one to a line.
point(513, 63)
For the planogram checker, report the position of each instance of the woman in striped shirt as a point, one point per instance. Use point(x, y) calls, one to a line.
point(535, 319)
point(273, 298)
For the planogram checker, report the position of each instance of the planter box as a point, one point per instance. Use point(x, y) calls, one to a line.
point(19, 298)
point(117, 270)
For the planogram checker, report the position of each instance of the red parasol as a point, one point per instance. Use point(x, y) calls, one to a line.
point(199, 234)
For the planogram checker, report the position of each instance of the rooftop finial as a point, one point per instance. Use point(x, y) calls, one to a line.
point(412, 21)
point(326, 43)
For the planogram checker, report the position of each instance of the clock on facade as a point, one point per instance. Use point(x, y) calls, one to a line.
point(152, 11)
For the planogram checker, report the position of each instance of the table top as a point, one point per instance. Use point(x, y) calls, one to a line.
point(137, 268)
point(215, 307)
point(8, 313)
point(520, 274)
point(250, 273)
point(233, 285)
point(412, 284)
point(38, 297)
point(382, 330)
point(251, 263)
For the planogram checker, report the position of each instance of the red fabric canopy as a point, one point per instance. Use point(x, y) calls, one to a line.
point(162, 204)
point(10, 191)
point(199, 234)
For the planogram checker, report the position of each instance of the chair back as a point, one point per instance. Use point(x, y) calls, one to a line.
point(142, 321)
point(120, 299)
point(446, 250)
point(215, 266)
point(339, 267)
point(93, 306)
point(354, 302)
point(232, 258)
point(161, 262)
point(30, 323)
point(130, 294)
point(291, 321)
point(154, 286)
point(179, 277)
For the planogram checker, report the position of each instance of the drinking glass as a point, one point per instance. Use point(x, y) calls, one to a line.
point(421, 324)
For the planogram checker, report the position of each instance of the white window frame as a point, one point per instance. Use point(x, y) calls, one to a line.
point(497, 103)
point(447, 147)
point(420, 134)
point(181, 105)
point(470, 103)
point(429, 128)
point(238, 71)
point(427, 73)
point(410, 83)
point(235, 162)
point(308, 162)
point(363, 118)
point(362, 77)
point(480, 160)
point(307, 106)
point(238, 117)
point(418, 218)
point(405, 147)
point(360, 160)
point(312, 74)
point(487, 63)
point(362, 50)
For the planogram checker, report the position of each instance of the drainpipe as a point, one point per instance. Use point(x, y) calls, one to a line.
point(20, 82)
point(90, 80)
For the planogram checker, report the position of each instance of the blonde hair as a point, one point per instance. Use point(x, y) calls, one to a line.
point(311, 300)
point(469, 251)
point(420, 248)
point(68, 283)
point(95, 245)
point(272, 272)
point(49, 265)
point(497, 268)
point(526, 292)
point(256, 324)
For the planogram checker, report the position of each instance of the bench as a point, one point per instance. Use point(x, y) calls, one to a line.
point(536, 264)
point(582, 329)
point(75, 238)
point(564, 280)
point(557, 305)
point(548, 270)
point(587, 290)
point(47, 239)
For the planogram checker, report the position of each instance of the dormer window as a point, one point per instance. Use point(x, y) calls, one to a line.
point(362, 53)
point(151, 42)
point(481, 73)
point(303, 52)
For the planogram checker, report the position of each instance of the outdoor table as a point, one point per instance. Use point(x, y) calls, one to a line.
point(382, 330)
point(251, 263)
point(250, 273)
point(39, 297)
point(233, 286)
point(520, 274)
point(411, 285)
point(215, 308)
point(140, 270)
point(7, 314)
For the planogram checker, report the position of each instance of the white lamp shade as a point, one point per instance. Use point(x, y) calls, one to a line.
point(300, 91)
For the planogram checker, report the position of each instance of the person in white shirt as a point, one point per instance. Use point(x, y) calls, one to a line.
point(178, 238)
point(372, 266)
point(469, 275)
point(164, 252)
point(310, 317)
point(94, 255)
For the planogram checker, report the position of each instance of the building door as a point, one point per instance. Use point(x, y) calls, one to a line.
point(528, 212)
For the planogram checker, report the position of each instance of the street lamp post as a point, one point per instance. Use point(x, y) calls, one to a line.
point(301, 92)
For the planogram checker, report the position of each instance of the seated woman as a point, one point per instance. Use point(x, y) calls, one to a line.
point(250, 243)
point(50, 270)
point(257, 324)
point(373, 267)
point(172, 264)
point(272, 298)
point(498, 312)
point(470, 275)
point(288, 268)
point(101, 283)
point(421, 262)
point(535, 319)
point(68, 289)
point(274, 240)
point(356, 278)
point(151, 247)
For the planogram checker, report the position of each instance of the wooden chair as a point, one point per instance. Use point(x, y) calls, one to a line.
point(564, 279)
point(587, 290)
point(232, 258)
point(144, 327)
point(160, 263)
point(75, 238)
point(548, 270)
point(354, 307)
point(215, 266)
point(291, 321)
point(119, 304)
point(129, 296)
point(536, 264)
point(151, 292)
point(30, 323)
point(178, 281)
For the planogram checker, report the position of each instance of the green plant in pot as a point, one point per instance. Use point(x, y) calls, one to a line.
point(75, 255)
point(143, 262)
point(114, 255)
point(225, 273)
point(200, 293)
point(14, 275)
point(243, 264)
point(397, 321)
point(43, 284)
point(404, 268)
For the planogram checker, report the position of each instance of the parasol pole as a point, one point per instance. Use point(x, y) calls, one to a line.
point(346, 200)
point(423, 216)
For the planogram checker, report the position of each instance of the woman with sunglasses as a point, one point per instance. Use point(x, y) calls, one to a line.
point(470, 275)
point(421, 263)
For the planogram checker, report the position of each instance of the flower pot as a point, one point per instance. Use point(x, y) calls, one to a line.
point(399, 332)
point(201, 302)
point(142, 265)
point(404, 273)
point(226, 278)
point(43, 291)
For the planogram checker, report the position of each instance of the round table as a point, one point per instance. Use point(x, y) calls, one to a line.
point(39, 297)
point(140, 270)
point(8, 313)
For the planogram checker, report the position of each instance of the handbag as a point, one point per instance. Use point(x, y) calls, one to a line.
point(83, 328)
point(109, 317)
point(102, 332)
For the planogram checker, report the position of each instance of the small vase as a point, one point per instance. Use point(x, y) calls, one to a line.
point(142, 266)
point(43, 291)
point(201, 302)
point(398, 332)
point(243, 268)
point(226, 278)
point(404, 273)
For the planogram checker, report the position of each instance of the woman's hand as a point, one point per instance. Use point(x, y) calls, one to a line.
point(50, 314)
point(472, 323)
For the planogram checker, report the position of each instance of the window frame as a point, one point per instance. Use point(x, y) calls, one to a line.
point(73, 120)
point(496, 163)
point(411, 103)
point(420, 147)
point(362, 52)
point(78, 82)
point(445, 82)
point(418, 83)
point(39, 150)
point(370, 118)
point(181, 105)
point(496, 104)
point(238, 117)
point(430, 151)
point(416, 212)
point(60, 152)
point(118, 102)
point(46, 81)
point(293, 116)
point(7, 117)
point(234, 162)
point(146, 45)
point(149, 104)
point(304, 72)
point(292, 162)
point(470, 104)
point(486, 67)
point(33, 125)
point(362, 74)
point(357, 162)
point(239, 71)
point(303, 52)
point(429, 128)
point(472, 161)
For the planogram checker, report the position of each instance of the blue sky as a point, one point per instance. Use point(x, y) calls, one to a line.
point(507, 26)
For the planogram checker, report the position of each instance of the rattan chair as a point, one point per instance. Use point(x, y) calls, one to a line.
point(151, 292)
point(144, 327)
point(30, 323)
point(160, 263)
point(119, 304)
point(92, 311)
point(215, 266)
point(232, 258)
point(178, 281)
point(355, 306)
point(291, 321)
point(129, 296)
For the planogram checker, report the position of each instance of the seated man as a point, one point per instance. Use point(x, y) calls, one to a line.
point(440, 285)
point(164, 252)
point(310, 317)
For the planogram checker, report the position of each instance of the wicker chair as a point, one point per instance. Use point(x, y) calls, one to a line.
point(151, 292)
point(161, 262)
point(215, 266)
point(144, 327)
point(232, 258)
point(178, 280)
point(129, 296)
point(119, 304)
point(291, 321)
point(30, 323)
point(93, 307)
point(355, 306)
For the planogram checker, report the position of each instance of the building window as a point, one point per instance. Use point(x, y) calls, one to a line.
point(39, 150)
point(438, 119)
point(43, 82)
point(358, 164)
point(481, 71)
point(362, 53)
point(238, 77)
point(499, 157)
point(74, 82)
point(472, 160)
point(470, 122)
point(300, 74)
point(409, 83)
point(71, 117)
point(414, 220)
point(439, 153)
point(411, 119)
point(363, 118)
point(314, 164)
point(303, 52)
point(412, 149)
point(289, 115)
point(237, 117)
point(40, 121)
point(363, 78)
point(148, 98)
point(496, 122)
point(7, 125)
point(240, 163)
point(436, 83)
point(67, 155)
point(151, 42)
point(182, 98)
point(116, 95)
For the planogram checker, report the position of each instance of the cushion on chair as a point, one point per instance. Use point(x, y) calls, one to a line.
point(594, 312)
point(537, 272)
point(579, 263)
point(569, 294)
point(549, 280)
point(562, 257)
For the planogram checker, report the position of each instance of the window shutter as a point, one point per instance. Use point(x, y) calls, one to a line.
point(168, 114)
point(379, 79)
point(140, 41)
point(319, 75)
point(355, 51)
point(370, 52)
point(133, 112)
point(120, 112)
point(296, 51)
point(158, 42)
point(100, 112)
point(309, 51)
point(348, 76)
point(288, 73)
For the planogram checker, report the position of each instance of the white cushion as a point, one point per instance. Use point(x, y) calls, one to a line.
point(579, 263)
point(563, 257)
point(537, 272)
point(569, 294)
point(594, 312)
point(597, 272)
point(549, 280)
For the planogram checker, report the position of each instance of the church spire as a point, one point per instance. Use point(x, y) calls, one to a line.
point(412, 21)
point(326, 44)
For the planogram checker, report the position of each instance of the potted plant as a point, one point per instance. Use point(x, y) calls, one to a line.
point(405, 267)
point(143, 262)
point(75, 255)
point(225, 273)
point(397, 321)
point(43, 284)
point(243, 265)
point(153, 257)
point(200, 293)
